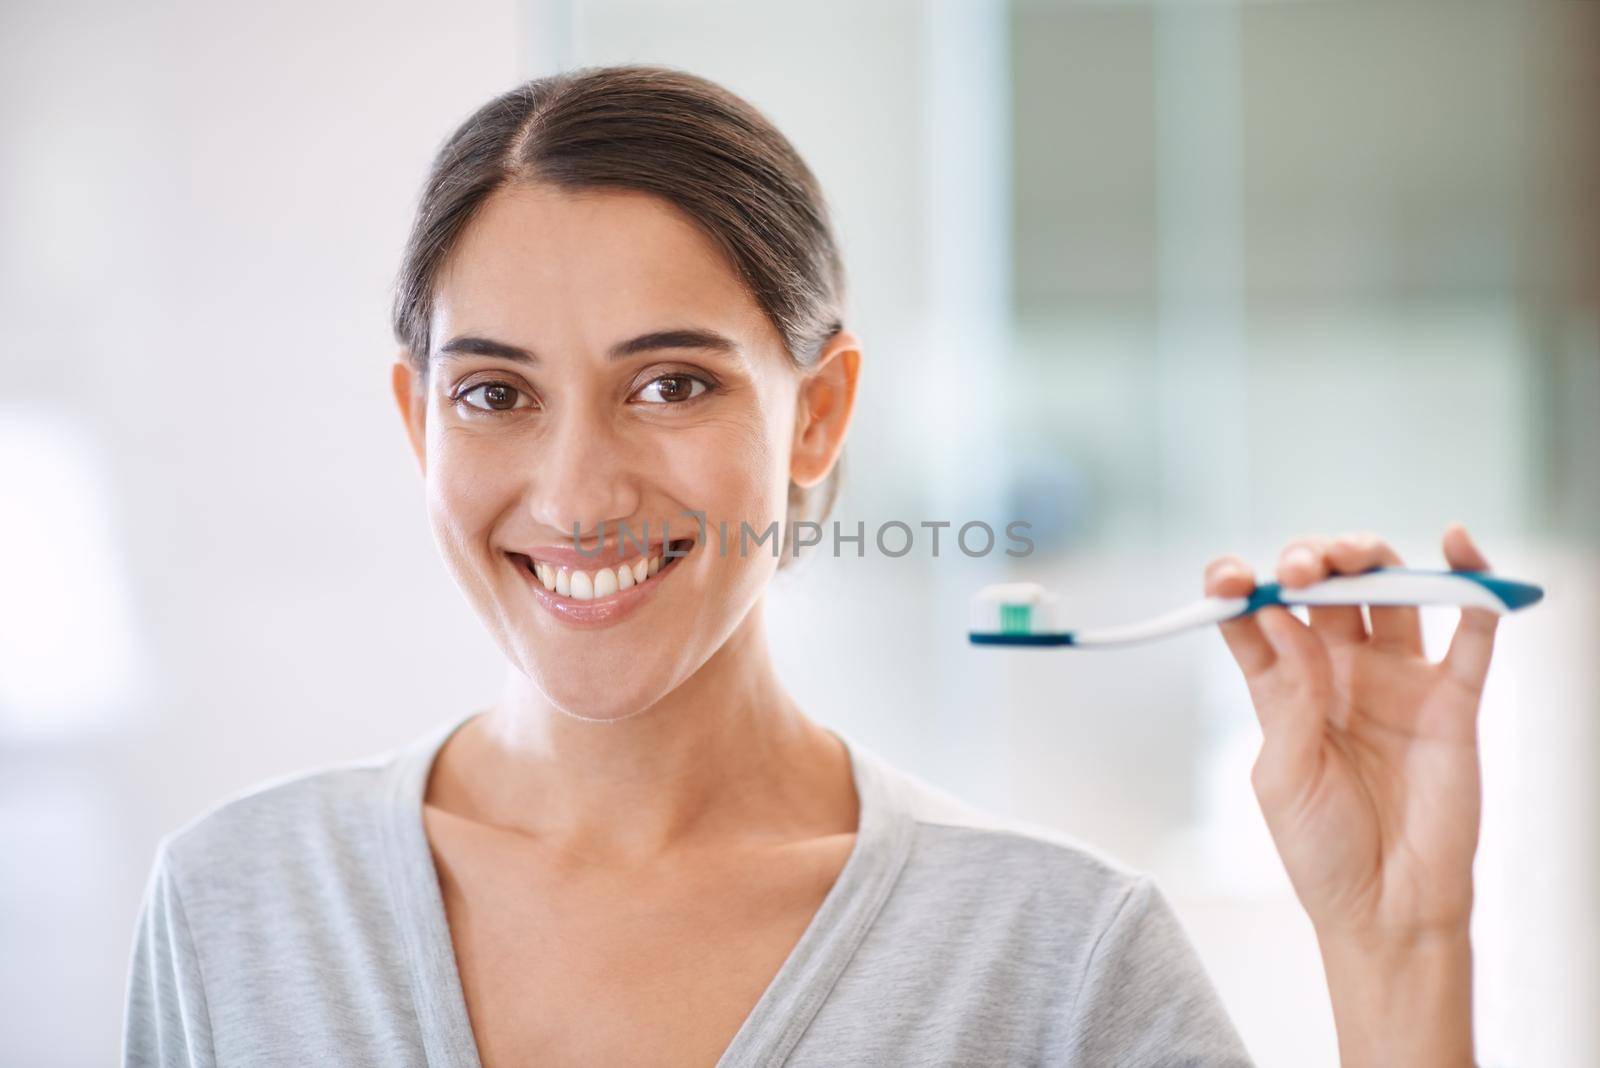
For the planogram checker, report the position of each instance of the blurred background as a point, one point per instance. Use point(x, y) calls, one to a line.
point(1164, 280)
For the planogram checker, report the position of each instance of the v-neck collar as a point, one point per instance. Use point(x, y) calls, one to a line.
point(784, 1010)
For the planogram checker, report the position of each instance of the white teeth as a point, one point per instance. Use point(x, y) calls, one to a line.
point(582, 587)
point(588, 585)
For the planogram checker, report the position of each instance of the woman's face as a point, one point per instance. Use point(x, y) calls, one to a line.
point(596, 363)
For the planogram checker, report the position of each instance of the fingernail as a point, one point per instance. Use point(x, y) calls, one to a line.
point(1301, 557)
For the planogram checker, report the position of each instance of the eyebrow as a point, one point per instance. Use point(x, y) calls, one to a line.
point(686, 338)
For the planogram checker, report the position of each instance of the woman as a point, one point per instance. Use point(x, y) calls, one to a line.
point(622, 306)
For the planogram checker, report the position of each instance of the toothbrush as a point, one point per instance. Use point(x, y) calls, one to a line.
point(1024, 613)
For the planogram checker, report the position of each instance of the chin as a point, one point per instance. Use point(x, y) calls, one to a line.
point(594, 691)
point(598, 708)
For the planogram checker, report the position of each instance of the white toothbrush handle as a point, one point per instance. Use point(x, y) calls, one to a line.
point(1199, 614)
point(1395, 587)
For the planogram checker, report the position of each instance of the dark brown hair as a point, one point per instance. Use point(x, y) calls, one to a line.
point(655, 130)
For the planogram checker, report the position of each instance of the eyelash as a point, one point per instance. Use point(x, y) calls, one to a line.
point(707, 387)
point(459, 398)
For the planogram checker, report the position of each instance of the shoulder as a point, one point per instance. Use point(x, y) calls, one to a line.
point(965, 844)
point(999, 891)
point(273, 919)
point(1073, 954)
point(282, 834)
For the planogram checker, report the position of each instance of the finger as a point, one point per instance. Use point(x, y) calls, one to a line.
point(1292, 726)
point(1303, 563)
point(1461, 552)
point(1229, 576)
point(1397, 625)
point(1472, 645)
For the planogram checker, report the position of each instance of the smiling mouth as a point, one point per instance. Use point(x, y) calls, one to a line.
point(599, 583)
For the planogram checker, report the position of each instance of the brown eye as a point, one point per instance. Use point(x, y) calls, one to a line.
point(496, 397)
point(671, 389)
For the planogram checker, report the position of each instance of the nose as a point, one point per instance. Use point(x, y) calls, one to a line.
point(583, 476)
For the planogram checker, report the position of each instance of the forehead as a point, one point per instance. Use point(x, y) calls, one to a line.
point(548, 268)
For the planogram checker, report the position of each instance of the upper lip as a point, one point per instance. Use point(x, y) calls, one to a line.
point(564, 554)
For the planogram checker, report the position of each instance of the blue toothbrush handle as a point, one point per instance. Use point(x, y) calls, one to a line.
point(1402, 586)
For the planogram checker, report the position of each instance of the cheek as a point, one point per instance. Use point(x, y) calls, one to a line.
point(734, 470)
point(466, 491)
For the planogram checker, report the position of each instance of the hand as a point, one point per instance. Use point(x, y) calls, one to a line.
point(1368, 771)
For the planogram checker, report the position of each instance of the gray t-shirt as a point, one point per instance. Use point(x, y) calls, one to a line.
point(301, 924)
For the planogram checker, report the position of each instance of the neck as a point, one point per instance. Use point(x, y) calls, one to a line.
point(725, 755)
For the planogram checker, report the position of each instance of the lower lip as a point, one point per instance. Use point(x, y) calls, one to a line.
point(600, 612)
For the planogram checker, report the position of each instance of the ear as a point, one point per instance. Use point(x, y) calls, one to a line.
point(822, 410)
point(408, 397)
